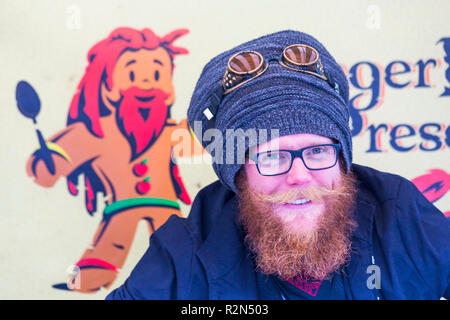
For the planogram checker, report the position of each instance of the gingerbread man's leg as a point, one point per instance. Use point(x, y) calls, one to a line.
point(99, 265)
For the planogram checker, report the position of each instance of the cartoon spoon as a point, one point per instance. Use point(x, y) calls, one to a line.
point(29, 105)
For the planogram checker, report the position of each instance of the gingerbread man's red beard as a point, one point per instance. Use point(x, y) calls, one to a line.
point(141, 116)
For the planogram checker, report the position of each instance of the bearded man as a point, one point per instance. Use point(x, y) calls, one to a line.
point(294, 218)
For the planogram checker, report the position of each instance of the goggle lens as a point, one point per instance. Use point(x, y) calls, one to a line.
point(246, 62)
point(301, 55)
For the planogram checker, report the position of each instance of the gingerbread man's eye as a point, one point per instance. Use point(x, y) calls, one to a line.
point(131, 75)
point(156, 75)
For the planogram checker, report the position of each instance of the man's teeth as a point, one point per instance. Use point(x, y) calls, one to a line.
point(300, 201)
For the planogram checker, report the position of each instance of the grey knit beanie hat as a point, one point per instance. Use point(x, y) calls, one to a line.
point(290, 101)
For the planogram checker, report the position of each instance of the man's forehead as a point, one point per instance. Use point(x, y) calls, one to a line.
point(291, 142)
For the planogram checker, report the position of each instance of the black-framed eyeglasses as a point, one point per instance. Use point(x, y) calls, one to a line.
point(277, 162)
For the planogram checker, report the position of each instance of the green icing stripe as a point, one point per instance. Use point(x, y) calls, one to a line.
point(139, 202)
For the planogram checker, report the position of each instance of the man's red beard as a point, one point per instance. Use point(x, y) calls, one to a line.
point(278, 250)
point(141, 116)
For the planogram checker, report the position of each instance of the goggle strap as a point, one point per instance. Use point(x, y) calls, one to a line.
point(211, 111)
point(334, 84)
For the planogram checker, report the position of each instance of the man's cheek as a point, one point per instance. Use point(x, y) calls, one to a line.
point(336, 182)
point(253, 178)
point(330, 179)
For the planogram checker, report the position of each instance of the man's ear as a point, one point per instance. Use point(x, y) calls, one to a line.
point(109, 97)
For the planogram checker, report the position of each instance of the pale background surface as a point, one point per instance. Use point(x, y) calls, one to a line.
point(43, 231)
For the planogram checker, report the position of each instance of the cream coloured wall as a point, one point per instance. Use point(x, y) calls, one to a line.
point(44, 231)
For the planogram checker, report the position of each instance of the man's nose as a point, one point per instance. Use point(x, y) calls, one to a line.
point(298, 174)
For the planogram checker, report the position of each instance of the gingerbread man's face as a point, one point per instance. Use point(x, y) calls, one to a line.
point(145, 69)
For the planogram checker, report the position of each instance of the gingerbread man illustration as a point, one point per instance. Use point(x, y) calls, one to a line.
point(118, 139)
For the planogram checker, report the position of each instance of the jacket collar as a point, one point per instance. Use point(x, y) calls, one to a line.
point(362, 237)
point(224, 246)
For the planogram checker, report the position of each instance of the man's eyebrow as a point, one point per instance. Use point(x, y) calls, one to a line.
point(157, 61)
point(302, 146)
point(130, 62)
point(289, 146)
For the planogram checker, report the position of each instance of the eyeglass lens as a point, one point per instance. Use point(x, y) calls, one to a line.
point(277, 162)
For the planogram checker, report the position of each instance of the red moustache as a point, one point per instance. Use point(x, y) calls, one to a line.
point(141, 117)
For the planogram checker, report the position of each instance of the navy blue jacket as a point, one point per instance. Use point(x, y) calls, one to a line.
point(203, 256)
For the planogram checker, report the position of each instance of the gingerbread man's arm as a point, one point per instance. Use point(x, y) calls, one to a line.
point(69, 148)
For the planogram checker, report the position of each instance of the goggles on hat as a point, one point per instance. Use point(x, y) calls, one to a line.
point(247, 65)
